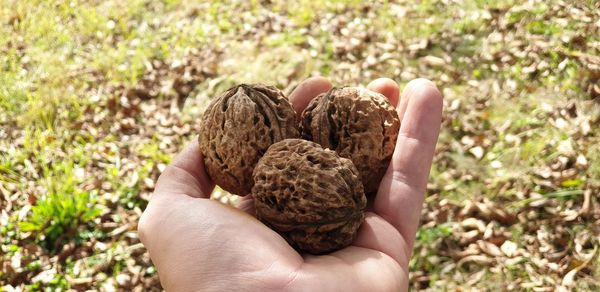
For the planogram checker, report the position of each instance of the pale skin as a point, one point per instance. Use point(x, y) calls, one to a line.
point(202, 245)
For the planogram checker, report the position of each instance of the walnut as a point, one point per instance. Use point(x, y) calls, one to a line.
point(358, 124)
point(311, 196)
point(237, 128)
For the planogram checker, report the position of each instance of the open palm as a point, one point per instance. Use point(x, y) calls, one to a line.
point(202, 245)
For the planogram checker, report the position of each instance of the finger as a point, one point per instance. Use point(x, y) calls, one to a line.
point(186, 175)
point(307, 90)
point(402, 189)
point(409, 90)
point(387, 87)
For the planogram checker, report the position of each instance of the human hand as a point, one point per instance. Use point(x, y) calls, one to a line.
point(198, 244)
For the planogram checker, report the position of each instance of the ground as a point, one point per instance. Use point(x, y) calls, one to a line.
point(97, 96)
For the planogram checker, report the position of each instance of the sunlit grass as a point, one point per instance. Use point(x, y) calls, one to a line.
point(56, 55)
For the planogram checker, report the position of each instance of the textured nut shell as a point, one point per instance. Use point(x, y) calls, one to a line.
point(358, 124)
point(309, 195)
point(236, 130)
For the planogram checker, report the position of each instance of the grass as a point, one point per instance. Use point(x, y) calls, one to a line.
point(70, 164)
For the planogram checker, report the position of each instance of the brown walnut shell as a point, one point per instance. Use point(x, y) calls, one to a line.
point(238, 127)
point(311, 196)
point(358, 124)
